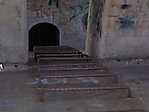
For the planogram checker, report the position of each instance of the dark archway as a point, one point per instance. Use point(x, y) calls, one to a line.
point(43, 34)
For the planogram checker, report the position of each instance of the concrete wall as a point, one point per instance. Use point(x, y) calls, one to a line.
point(125, 29)
point(13, 41)
point(67, 17)
point(17, 19)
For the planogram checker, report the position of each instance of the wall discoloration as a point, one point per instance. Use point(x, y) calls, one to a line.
point(125, 29)
point(12, 31)
point(67, 17)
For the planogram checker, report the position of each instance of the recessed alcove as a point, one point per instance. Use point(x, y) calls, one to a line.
point(43, 34)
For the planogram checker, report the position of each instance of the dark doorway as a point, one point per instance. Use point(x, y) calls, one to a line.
point(43, 34)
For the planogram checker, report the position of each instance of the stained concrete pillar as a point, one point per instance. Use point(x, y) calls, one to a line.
point(13, 35)
point(94, 28)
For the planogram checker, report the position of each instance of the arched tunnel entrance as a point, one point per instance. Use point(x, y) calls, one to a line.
point(43, 34)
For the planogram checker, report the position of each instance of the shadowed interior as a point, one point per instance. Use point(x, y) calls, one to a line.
point(43, 34)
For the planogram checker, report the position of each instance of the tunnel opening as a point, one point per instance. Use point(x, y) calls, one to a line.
point(43, 34)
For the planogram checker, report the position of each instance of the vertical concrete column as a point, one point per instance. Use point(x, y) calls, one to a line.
point(13, 33)
point(94, 28)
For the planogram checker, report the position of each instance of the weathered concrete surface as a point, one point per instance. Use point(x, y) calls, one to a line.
point(125, 25)
point(13, 41)
point(136, 76)
point(118, 40)
point(68, 17)
point(17, 94)
point(125, 29)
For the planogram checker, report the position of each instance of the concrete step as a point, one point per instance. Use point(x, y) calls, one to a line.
point(52, 48)
point(68, 62)
point(71, 66)
point(68, 72)
point(113, 91)
point(60, 55)
point(56, 51)
point(115, 105)
point(85, 71)
point(101, 80)
point(59, 75)
point(56, 60)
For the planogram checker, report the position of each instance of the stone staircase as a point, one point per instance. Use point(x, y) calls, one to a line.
point(66, 72)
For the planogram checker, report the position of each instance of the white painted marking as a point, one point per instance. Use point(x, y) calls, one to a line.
point(1, 67)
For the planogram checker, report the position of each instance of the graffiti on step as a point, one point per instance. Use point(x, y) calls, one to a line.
point(7, 104)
